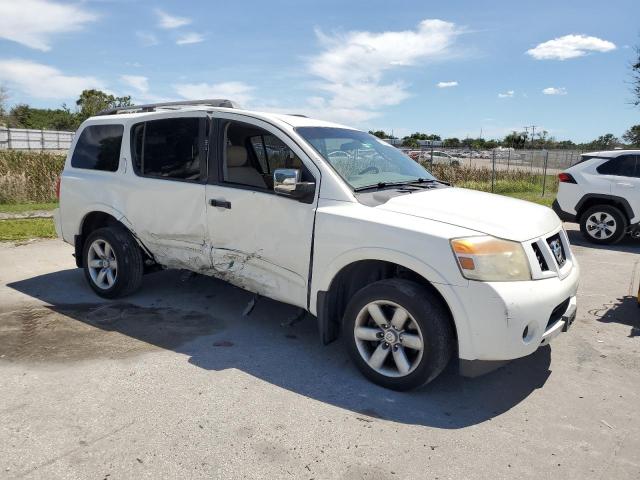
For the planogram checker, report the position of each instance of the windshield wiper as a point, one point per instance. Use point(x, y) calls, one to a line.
point(379, 185)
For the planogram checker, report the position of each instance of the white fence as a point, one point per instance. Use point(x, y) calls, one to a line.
point(26, 139)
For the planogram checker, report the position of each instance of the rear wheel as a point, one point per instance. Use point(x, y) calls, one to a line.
point(113, 262)
point(398, 334)
point(603, 224)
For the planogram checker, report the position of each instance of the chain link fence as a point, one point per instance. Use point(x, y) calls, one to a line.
point(539, 167)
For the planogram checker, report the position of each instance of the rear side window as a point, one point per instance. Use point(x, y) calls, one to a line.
point(98, 148)
point(623, 166)
point(168, 148)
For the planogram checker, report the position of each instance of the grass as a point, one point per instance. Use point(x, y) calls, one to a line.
point(522, 189)
point(26, 228)
point(534, 197)
point(26, 207)
point(28, 176)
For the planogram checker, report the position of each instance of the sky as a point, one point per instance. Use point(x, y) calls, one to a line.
point(454, 68)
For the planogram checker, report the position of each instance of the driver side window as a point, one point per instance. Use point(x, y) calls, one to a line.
point(251, 154)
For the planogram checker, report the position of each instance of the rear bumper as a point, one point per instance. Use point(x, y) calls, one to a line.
point(564, 216)
point(56, 222)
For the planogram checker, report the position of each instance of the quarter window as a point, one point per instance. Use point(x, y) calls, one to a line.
point(98, 148)
point(168, 148)
point(623, 166)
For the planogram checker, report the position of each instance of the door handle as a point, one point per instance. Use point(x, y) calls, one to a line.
point(220, 203)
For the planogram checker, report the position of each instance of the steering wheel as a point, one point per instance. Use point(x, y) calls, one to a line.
point(370, 169)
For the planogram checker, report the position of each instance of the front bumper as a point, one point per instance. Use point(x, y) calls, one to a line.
point(507, 320)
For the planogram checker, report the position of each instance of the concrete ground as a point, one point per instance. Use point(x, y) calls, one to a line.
point(174, 382)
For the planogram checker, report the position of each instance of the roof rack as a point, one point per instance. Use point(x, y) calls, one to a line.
point(150, 107)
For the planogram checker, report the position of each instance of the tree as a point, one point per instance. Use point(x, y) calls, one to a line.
point(410, 142)
point(23, 116)
point(515, 140)
point(632, 136)
point(92, 101)
point(4, 96)
point(605, 142)
point(635, 78)
point(452, 142)
point(380, 134)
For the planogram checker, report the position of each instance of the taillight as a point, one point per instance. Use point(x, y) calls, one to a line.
point(566, 178)
point(58, 188)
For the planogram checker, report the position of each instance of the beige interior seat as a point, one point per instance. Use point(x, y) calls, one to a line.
point(238, 170)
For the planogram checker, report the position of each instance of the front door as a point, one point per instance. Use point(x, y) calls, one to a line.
point(259, 240)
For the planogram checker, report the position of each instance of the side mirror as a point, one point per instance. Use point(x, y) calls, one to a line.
point(286, 182)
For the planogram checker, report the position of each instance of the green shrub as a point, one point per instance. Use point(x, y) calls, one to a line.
point(29, 176)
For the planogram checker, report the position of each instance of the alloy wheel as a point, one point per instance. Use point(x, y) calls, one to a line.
point(102, 264)
point(388, 338)
point(601, 225)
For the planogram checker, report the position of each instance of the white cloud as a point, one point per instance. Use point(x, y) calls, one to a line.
point(507, 94)
point(168, 21)
point(237, 91)
point(554, 91)
point(34, 22)
point(147, 39)
point(351, 67)
point(42, 81)
point(189, 38)
point(446, 84)
point(570, 46)
point(137, 82)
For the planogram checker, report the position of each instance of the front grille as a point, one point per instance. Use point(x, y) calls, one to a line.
point(541, 261)
point(557, 312)
point(557, 249)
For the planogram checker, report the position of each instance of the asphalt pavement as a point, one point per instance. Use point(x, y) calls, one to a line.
point(175, 382)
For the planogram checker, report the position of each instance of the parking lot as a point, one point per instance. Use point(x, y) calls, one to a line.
point(175, 382)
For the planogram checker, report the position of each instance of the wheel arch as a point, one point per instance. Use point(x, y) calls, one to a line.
point(592, 199)
point(98, 218)
point(331, 303)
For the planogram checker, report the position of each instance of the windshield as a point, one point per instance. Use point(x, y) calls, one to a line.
point(361, 159)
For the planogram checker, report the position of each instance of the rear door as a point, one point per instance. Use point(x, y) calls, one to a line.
point(261, 241)
point(624, 174)
point(165, 201)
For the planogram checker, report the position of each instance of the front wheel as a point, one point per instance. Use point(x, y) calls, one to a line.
point(113, 262)
point(398, 334)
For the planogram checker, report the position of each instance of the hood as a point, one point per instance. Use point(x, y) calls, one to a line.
point(496, 215)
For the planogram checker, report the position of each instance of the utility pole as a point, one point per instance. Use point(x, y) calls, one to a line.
point(533, 132)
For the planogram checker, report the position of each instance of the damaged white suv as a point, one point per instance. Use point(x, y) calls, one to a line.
point(407, 269)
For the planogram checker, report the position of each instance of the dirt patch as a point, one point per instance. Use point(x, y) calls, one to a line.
point(83, 331)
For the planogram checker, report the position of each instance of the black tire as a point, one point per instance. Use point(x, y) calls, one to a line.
point(619, 224)
point(430, 315)
point(130, 264)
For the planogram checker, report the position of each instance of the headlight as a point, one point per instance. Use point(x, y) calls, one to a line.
point(491, 259)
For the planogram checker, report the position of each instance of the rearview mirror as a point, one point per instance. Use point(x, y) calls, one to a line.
point(286, 182)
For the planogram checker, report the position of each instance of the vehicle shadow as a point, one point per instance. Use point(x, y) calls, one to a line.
point(202, 318)
point(624, 311)
point(627, 244)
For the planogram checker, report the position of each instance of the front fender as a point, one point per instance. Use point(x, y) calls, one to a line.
point(442, 285)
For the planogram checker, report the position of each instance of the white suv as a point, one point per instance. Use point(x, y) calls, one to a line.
point(602, 193)
point(407, 269)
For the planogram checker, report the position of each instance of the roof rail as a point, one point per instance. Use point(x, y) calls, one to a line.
point(150, 107)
